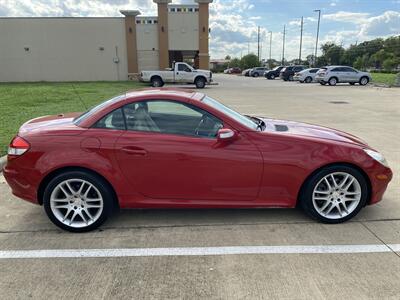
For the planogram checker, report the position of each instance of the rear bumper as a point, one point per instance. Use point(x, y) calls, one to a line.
point(22, 181)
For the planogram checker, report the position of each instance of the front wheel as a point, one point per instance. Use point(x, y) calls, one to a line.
point(334, 194)
point(308, 79)
point(364, 80)
point(200, 83)
point(77, 201)
point(256, 75)
point(290, 78)
point(332, 81)
point(272, 76)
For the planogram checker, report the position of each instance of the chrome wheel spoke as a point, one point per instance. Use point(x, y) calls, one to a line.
point(82, 206)
point(336, 195)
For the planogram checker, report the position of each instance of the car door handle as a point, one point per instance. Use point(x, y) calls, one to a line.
point(134, 151)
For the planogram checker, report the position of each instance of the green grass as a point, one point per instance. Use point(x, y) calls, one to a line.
point(20, 102)
point(388, 79)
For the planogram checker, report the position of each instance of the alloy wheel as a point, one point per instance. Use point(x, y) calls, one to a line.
point(336, 195)
point(76, 203)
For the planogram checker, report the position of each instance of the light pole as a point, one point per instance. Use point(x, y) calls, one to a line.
point(316, 42)
point(301, 40)
point(270, 48)
point(283, 45)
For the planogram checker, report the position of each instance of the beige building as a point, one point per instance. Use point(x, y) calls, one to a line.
point(80, 49)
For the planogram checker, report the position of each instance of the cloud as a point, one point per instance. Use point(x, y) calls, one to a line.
point(386, 24)
point(344, 16)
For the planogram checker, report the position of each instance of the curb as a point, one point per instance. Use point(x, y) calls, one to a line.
point(3, 161)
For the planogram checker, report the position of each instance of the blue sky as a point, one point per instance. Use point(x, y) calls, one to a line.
point(234, 22)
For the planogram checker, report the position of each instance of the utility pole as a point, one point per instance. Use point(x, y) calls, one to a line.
point(316, 42)
point(270, 48)
point(283, 46)
point(301, 39)
point(248, 48)
point(258, 44)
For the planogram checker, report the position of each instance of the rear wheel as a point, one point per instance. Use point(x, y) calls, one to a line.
point(308, 79)
point(200, 82)
point(272, 76)
point(290, 78)
point(156, 82)
point(256, 74)
point(77, 201)
point(335, 194)
point(364, 80)
point(332, 81)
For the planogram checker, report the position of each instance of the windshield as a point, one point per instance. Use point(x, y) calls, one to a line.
point(230, 112)
point(276, 68)
point(95, 109)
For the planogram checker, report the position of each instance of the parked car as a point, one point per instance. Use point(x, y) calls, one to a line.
point(168, 148)
point(246, 72)
point(274, 73)
point(287, 73)
point(340, 74)
point(307, 75)
point(179, 73)
point(258, 71)
point(234, 70)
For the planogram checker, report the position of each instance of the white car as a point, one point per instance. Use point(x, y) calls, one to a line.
point(307, 75)
point(179, 73)
point(338, 74)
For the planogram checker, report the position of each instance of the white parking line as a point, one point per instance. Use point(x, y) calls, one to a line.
point(198, 251)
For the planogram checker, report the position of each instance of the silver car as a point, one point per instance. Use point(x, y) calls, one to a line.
point(307, 75)
point(338, 74)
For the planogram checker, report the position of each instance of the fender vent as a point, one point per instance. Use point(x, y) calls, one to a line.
point(281, 127)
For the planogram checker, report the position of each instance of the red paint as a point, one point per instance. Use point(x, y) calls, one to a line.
point(253, 169)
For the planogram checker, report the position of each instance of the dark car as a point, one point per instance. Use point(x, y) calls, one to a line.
point(288, 72)
point(272, 74)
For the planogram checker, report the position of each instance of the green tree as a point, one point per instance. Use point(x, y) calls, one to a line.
point(228, 57)
point(389, 64)
point(235, 63)
point(249, 61)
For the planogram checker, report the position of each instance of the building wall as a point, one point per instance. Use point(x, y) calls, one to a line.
point(62, 49)
point(147, 43)
point(183, 27)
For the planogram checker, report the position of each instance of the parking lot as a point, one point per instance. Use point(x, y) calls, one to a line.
point(359, 272)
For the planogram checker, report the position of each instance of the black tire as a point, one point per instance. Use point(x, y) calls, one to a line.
point(308, 79)
point(322, 82)
point(333, 81)
point(352, 83)
point(305, 197)
point(200, 82)
point(156, 81)
point(364, 80)
point(256, 74)
point(290, 78)
point(272, 76)
point(101, 186)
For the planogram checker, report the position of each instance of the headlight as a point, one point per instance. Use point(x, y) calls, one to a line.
point(377, 156)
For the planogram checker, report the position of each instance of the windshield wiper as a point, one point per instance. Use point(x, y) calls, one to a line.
point(260, 123)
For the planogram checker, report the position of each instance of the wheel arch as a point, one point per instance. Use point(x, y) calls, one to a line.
point(52, 174)
point(200, 76)
point(334, 76)
point(362, 172)
point(156, 76)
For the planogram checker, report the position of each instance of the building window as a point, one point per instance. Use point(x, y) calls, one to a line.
point(172, 9)
point(137, 21)
point(155, 21)
point(196, 9)
point(179, 9)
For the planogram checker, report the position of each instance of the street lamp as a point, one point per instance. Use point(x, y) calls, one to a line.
point(270, 47)
point(316, 42)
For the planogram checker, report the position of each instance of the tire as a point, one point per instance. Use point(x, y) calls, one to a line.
point(156, 81)
point(272, 76)
point(332, 81)
point(256, 75)
point(352, 83)
point(364, 80)
point(200, 82)
point(327, 211)
point(301, 81)
point(82, 211)
point(290, 78)
point(308, 79)
point(322, 82)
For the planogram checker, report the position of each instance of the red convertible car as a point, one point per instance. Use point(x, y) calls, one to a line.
point(162, 148)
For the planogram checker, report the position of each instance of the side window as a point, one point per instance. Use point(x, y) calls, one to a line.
point(171, 117)
point(337, 70)
point(113, 120)
point(313, 70)
point(183, 68)
point(347, 69)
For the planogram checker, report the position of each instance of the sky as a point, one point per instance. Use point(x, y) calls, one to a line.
point(234, 23)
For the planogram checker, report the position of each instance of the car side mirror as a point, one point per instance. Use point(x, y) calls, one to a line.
point(225, 134)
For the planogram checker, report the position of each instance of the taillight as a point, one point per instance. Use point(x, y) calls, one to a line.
point(18, 146)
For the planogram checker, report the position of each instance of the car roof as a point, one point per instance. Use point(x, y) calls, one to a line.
point(163, 92)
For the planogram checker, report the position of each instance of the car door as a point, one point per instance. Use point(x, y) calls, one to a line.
point(351, 74)
point(176, 155)
point(183, 73)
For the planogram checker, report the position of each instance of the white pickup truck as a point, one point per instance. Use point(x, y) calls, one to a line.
point(179, 73)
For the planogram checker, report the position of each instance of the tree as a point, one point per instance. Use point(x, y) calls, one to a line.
point(235, 63)
point(249, 61)
point(389, 64)
point(228, 57)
